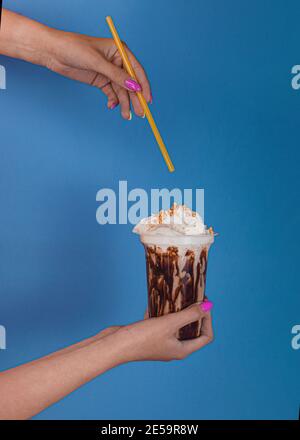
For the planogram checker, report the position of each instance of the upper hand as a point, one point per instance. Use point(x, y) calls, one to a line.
point(96, 61)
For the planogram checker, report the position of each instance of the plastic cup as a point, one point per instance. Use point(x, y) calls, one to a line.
point(176, 274)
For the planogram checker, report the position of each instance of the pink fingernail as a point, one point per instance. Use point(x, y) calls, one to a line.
point(206, 306)
point(114, 105)
point(132, 85)
point(151, 98)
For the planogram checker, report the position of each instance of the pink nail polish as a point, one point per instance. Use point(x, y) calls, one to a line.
point(206, 306)
point(114, 105)
point(132, 85)
point(151, 98)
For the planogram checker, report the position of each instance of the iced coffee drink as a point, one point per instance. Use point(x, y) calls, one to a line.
point(176, 244)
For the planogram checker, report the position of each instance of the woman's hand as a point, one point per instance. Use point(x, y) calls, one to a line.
point(96, 61)
point(91, 60)
point(30, 388)
point(156, 338)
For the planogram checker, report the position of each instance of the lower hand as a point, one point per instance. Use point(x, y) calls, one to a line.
point(30, 388)
point(155, 338)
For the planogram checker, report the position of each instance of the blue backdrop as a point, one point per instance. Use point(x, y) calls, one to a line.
point(221, 79)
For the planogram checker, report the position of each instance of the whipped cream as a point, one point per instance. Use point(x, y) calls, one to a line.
point(178, 220)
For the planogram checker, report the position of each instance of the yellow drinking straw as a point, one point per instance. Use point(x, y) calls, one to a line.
point(142, 100)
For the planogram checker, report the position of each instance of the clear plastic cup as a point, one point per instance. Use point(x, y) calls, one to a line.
point(176, 274)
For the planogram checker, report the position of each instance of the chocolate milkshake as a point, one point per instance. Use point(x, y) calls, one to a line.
point(176, 244)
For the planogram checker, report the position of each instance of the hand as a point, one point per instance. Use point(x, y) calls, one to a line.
point(155, 338)
point(96, 61)
point(28, 389)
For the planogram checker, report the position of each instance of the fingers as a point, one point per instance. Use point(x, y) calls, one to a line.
point(124, 101)
point(206, 327)
point(138, 109)
point(113, 70)
point(116, 95)
point(104, 84)
point(119, 76)
point(141, 75)
point(180, 319)
point(205, 338)
point(107, 48)
point(112, 99)
point(206, 305)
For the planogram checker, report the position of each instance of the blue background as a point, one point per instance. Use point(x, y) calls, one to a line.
point(221, 79)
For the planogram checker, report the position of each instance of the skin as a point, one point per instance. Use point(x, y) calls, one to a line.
point(30, 388)
point(91, 60)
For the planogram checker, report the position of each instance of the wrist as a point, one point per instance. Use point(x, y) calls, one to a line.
point(128, 343)
point(45, 47)
point(121, 346)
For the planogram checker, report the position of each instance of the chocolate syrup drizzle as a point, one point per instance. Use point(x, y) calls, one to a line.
point(175, 282)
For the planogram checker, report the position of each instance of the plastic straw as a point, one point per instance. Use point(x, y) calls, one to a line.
point(142, 100)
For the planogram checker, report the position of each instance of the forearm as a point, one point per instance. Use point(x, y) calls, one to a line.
point(23, 38)
point(28, 389)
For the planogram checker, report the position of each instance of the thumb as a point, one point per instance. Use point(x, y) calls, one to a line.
point(120, 76)
point(186, 316)
point(194, 312)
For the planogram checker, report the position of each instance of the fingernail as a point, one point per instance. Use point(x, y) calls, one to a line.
point(144, 115)
point(151, 98)
point(130, 116)
point(132, 85)
point(114, 105)
point(206, 306)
